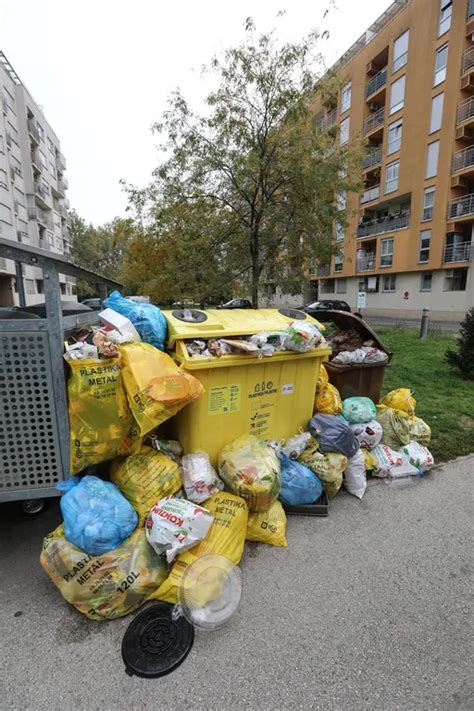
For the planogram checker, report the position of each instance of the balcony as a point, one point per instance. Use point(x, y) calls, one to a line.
point(40, 216)
point(60, 162)
point(35, 161)
point(376, 83)
point(33, 131)
point(62, 187)
point(457, 253)
point(22, 236)
point(4, 105)
point(465, 111)
point(467, 60)
point(463, 160)
point(372, 158)
point(379, 226)
point(329, 120)
point(366, 263)
point(461, 207)
point(374, 121)
point(62, 211)
point(370, 194)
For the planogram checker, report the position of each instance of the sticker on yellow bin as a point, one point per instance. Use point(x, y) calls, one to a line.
point(224, 398)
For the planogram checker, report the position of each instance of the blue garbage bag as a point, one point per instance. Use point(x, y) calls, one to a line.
point(333, 434)
point(299, 485)
point(97, 517)
point(147, 319)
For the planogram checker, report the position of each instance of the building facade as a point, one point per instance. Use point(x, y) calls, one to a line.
point(33, 204)
point(408, 89)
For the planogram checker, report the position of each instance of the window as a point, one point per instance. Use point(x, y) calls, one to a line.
point(50, 146)
point(43, 159)
point(2, 147)
point(372, 284)
point(344, 131)
point(327, 286)
point(386, 259)
point(426, 281)
point(440, 64)
point(400, 51)
point(428, 204)
point(445, 13)
point(340, 231)
point(338, 262)
point(51, 238)
point(391, 176)
point(40, 286)
point(45, 185)
point(5, 214)
point(397, 95)
point(455, 280)
point(52, 169)
point(432, 159)
point(30, 286)
point(389, 282)
point(3, 178)
point(436, 112)
point(346, 98)
point(394, 139)
point(341, 285)
point(19, 196)
point(341, 200)
point(425, 239)
point(40, 130)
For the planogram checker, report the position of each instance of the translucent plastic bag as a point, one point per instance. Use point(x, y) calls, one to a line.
point(355, 479)
point(174, 525)
point(299, 485)
point(107, 586)
point(328, 466)
point(395, 425)
point(296, 445)
point(358, 409)
point(333, 434)
point(268, 526)
point(97, 518)
point(156, 388)
point(199, 477)
point(301, 336)
point(400, 399)
point(100, 421)
point(250, 468)
point(327, 400)
point(420, 431)
point(368, 434)
point(145, 478)
point(147, 319)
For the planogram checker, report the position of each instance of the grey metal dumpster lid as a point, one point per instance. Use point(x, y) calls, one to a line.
point(346, 321)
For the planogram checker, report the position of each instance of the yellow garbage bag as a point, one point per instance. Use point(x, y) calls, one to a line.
point(156, 388)
point(370, 462)
point(100, 421)
point(328, 466)
point(268, 526)
point(395, 425)
point(106, 586)
point(323, 376)
point(420, 431)
point(226, 537)
point(327, 400)
point(145, 478)
point(400, 399)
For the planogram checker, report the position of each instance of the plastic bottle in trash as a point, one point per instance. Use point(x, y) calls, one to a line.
point(401, 477)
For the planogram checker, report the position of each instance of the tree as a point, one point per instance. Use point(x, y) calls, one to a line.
point(262, 171)
point(463, 358)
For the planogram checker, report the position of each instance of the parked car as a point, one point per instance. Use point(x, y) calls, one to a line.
point(95, 304)
point(317, 307)
point(236, 304)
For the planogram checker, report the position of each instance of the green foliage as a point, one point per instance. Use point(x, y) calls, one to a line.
point(463, 357)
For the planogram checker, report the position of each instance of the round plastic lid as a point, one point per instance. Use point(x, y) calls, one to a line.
point(155, 644)
point(210, 592)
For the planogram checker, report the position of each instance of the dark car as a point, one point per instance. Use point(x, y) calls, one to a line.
point(326, 305)
point(236, 304)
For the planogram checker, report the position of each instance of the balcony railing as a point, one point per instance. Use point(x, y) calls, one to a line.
point(390, 223)
point(4, 105)
point(376, 82)
point(463, 159)
point(60, 162)
point(34, 133)
point(371, 122)
point(461, 207)
point(39, 190)
point(367, 263)
point(457, 252)
point(372, 158)
point(62, 186)
point(465, 110)
point(370, 194)
point(467, 60)
point(329, 120)
point(40, 216)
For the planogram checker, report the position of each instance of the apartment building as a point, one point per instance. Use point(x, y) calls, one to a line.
point(33, 204)
point(408, 89)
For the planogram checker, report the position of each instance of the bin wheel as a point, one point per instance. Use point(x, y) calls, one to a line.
point(32, 507)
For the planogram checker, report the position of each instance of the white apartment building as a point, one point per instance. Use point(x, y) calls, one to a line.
point(33, 204)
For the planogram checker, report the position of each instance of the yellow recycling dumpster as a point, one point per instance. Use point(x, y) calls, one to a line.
point(270, 396)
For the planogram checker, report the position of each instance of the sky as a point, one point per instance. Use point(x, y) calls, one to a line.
point(103, 69)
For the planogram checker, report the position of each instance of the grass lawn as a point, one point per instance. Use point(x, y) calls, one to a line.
point(444, 400)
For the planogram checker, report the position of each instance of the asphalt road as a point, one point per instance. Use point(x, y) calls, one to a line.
point(367, 609)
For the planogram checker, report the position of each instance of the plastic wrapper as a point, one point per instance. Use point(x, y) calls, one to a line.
point(145, 478)
point(370, 461)
point(301, 336)
point(357, 410)
point(420, 431)
point(400, 399)
point(251, 469)
point(175, 525)
point(199, 477)
point(147, 319)
point(368, 434)
point(418, 455)
point(296, 445)
point(299, 484)
point(395, 425)
point(225, 537)
point(100, 421)
point(268, 526)
point(328, 466)
point(386, 458)
point(156, 388)
point(107, 586)
point(327, 400)
point(333, 434)
point(97, 517)
point(355, 479)
point(364, 354)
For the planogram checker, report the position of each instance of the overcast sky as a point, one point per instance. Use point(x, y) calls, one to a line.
point(103, 69)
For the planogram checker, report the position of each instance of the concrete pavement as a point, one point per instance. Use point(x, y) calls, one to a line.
point(367, 609)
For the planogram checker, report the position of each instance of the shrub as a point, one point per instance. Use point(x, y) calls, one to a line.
point(463, 357)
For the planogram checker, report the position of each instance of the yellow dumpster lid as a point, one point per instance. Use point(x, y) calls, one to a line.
point(219, 323)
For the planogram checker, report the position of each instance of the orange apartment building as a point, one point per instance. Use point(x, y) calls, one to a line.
point(408, 88)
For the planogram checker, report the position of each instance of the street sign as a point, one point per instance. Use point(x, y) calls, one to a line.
point(361, 299)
